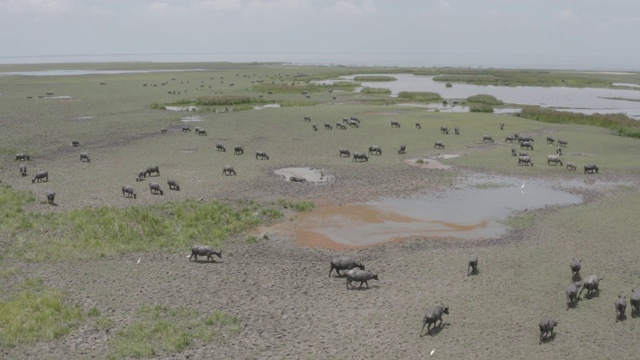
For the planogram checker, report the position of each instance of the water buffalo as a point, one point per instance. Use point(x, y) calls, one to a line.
point(513, 152)
point(186, 128)
point(456, 131)
point(85, 157)
point(127, 191)
point(354, 124)
point(221, 147)
point(575, 265)
point(590, 168)
point(438, 145)
point(571, 166)
point(155, 188)
point(228, 170)
point(328, 126)
point(23, 157)
point(559, 151)
point(620, 306)
point(403, 149)
point(555, 159)
point(418, 126)
point(501, 126)
point(201, 131)
point(525, 138)
point(23, 170)
point(432, 316)
point(375, 150)
point(75, 143)
point(509, 139)
point(562, 143)
point(472, 266)
point(204, 251)
point(315, 127)
point(152, 169)
point(551, 140)
point(444, 130)
point(525, 160)
point(363, 276)
point(173, 184)
point(261, 155)
point(345, 153)
point(546, 327)
point(395, 124)
point(487, 139)
point(163, 131)
point(51, 197)
point(41, 176)
point(307, 118)
point(360, 157)
point(635, 302)
point(523, 153)
point(341, 126)
point(140, 175)
point(591, 283)
point(353, 118)
point(344, 263)
point(238, 150)
point(526, 145)
point(572, 293)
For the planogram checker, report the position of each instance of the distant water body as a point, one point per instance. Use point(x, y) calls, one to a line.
point(583, 62)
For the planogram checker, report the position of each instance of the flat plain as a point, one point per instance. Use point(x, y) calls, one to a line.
point(121, 263)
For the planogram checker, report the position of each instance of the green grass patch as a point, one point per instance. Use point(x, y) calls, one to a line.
point(160, 331)
point(376, 78)
point(8, 273)
point(484, 99)
point(520, 222)
point(108, 231)
point(296, 103)
point(35, 313)
point(499, 77)
point(424, 96)
point(297, 88)
point(620, 123)
point(297, 205)
point(376, 91)
point(480, 108)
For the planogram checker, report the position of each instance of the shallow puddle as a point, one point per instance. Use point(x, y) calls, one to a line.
point(308, 174)
point(475, 209)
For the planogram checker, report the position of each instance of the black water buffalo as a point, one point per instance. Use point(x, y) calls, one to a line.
point(173, 184)
point(85, 157)
point(127, 191)
point(487, 139)
point(328, 126)
point(620, 306)
point(345, 153)
point(363, 276)
point(186, 128)
point(140, 176)
point(562, 143)
point(307, 118)
point(41, 176)
point(555, 159)
point(23, 157)
point(152, 169)
point(525, 160)
point(444, 130)
point(261, 155)
point(635, 302)
point(418, 126)
point(75, 143)
point(395, 124)
point(155, 188)
point(572, 293)
point(456, 131)
point(591, 283)
point(375, 150)
point(513, 152)
point(576, 265)
point(204, 251)
point(546, 327)
point(360, 157)
point(509, 139)
point(51, 197)
point(438, 145)
point(23, 170)
point(163, 131)
point(201, 131)
point(315, 127)
point(238, 150)
point(221, 147)
point(525, 138)
point(403, 149)
point(344, 263)
point(590, 169)
point(228, 170)
point(432, 316)
point(526, 145)
point(571, 166)
point(551, 140)
point(472, 266)
point(501, 126)
point(354, 124)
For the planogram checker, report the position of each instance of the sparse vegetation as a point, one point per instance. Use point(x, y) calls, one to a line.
point(423, 96)
point(376, 91)
point(297, 205)
point(374, 78)
point(484, 99)
point(480, 108)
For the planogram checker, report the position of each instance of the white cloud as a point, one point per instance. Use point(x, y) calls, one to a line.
point(352, 8)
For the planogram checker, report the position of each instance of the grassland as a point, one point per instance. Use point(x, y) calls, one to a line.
point(114, 268)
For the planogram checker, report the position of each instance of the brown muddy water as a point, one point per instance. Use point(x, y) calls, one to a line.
point(474, 209)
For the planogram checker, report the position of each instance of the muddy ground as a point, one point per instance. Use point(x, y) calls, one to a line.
point(290, 308)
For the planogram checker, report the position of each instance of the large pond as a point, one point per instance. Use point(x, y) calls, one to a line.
point(476, 208)
point(587, 100)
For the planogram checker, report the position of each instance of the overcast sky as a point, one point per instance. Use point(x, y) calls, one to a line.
point(64, 27)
